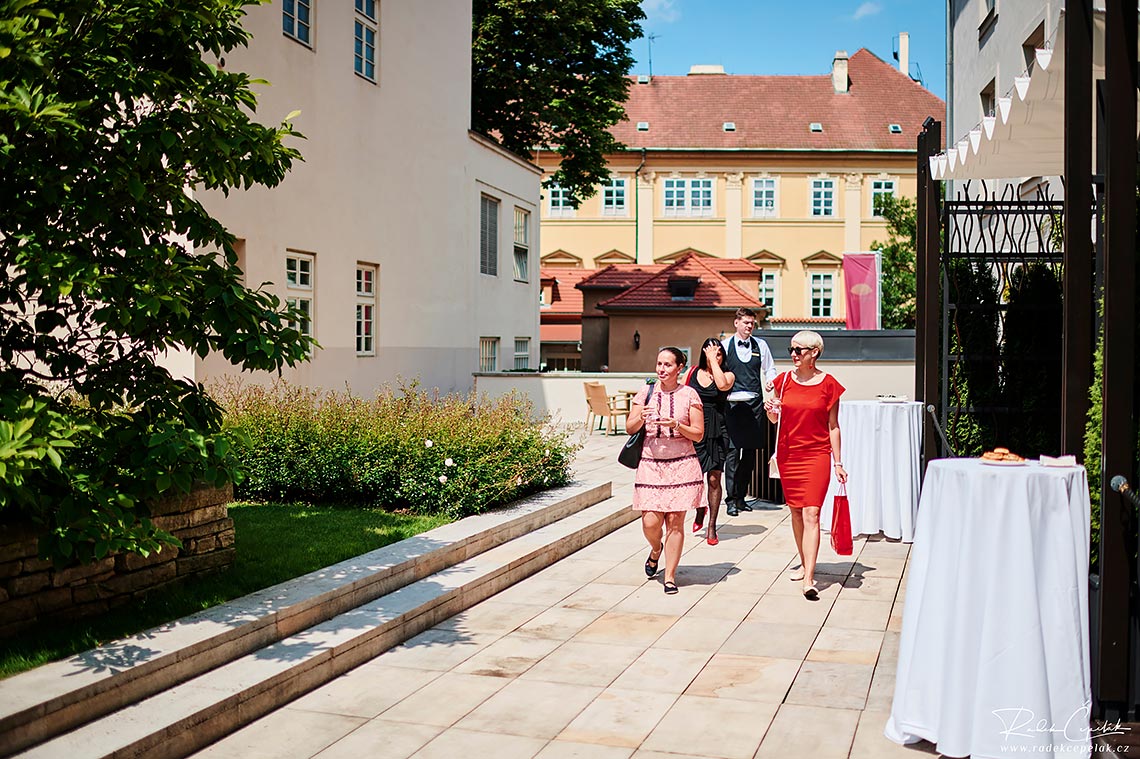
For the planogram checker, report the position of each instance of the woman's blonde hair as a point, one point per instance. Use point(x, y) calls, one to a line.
point(809, 339)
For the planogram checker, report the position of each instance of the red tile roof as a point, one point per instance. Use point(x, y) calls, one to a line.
point(619, 276)
point(733, 265)
point(567, 298)
point(560, 333)
point(713, 292)
point(774, 112)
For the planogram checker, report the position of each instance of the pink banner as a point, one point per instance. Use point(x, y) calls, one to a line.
point(861, 278)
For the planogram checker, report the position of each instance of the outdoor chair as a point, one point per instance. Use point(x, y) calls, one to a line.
point(599, 405)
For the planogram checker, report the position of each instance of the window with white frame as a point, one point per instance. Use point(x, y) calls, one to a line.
point(299, 275)
point(489, 236)
point(488, 354)
point(305, 307)
point(522, 244)
point(767, 294)
point(613, 198)
point(364, 40)
point(823, 197)
point(297, 20)
point(688, 197)
point(880, 188)
point(700, 197)
point(560, 204)
point(763, 198)
point(822, 294)
point(365, 310)
point(676, 197)
point(298, 271)
point(522, 352)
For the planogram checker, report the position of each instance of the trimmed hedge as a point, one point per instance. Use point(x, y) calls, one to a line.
point(405, 449)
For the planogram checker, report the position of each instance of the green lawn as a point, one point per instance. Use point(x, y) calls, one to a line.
point(275, 542)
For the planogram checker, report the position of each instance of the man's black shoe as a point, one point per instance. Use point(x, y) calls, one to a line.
point(732, 511)
point(743, 506)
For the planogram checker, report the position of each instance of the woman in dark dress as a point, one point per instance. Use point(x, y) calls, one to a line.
point(712, 384)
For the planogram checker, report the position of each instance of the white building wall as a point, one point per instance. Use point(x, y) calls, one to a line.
point(981, 51)
point(505, 307)
point(388, 179)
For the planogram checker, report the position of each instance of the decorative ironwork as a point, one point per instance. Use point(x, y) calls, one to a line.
point(1001, 272)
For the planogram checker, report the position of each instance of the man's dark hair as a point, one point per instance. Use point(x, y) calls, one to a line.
point(744, 311)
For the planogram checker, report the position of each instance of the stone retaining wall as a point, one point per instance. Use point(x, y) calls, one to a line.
point(31, 589)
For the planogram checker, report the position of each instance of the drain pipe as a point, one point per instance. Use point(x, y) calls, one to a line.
point(637, 209)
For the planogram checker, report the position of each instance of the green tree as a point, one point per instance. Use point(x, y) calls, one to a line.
point(898, 261)
point(551, 75)
point(111, 118)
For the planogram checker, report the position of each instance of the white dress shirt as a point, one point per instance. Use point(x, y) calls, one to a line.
point(744, 353)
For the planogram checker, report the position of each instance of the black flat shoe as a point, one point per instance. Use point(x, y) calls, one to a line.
point(651, 565)
point(732, 511)
point(670, 588)
point(744, 506)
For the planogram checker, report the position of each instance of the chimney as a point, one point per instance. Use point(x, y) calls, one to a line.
point(839, 71)
point(904, 52)
point(705, 69)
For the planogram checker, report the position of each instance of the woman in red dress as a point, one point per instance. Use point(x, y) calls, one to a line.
point(806, 406)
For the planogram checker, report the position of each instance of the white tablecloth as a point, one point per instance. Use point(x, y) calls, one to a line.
point(994, 654)
point(882, 443)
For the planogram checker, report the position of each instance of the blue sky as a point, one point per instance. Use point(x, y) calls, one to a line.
point(790, 36)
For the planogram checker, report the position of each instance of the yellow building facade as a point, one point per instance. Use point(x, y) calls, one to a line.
point(792, 190)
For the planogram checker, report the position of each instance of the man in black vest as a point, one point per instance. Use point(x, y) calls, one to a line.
point(751, 361)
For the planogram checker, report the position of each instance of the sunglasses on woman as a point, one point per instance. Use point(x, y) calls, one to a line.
point(796, 350)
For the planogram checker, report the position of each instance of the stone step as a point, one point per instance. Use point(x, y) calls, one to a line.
point(190, 716)
point(54, 698)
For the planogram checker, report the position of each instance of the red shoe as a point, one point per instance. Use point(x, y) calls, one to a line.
point(697, 526)
point(713, 540)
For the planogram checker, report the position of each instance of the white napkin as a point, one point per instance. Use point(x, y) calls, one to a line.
point(1067, 460)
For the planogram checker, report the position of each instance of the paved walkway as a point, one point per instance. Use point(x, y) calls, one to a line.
point(588, 659)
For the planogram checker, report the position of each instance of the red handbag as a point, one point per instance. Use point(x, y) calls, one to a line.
point(841, 541)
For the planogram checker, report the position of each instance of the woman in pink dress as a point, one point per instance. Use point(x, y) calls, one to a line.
point(669, 480)
point(806, 406)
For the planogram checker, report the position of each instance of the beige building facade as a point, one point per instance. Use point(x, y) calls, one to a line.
point(412, 242)
point(783, 171)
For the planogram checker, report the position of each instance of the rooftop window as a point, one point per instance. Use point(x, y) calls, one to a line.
point(683, 288)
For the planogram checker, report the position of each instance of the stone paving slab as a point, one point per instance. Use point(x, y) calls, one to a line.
point(50, 699)
point(735, 666)
point(187, 716)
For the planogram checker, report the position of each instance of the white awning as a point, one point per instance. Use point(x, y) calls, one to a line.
point(1026, 137)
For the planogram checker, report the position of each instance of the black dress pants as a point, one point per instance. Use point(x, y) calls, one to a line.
point(738, 473)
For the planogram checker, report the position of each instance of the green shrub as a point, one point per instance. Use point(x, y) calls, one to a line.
point(406, 449)
point(1094, 438)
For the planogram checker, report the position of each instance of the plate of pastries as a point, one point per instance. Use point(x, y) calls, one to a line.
point(1002, 457)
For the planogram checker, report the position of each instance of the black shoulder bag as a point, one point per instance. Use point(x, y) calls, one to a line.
point(630, 453)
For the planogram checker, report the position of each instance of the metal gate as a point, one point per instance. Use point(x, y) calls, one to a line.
point(1002, 317)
